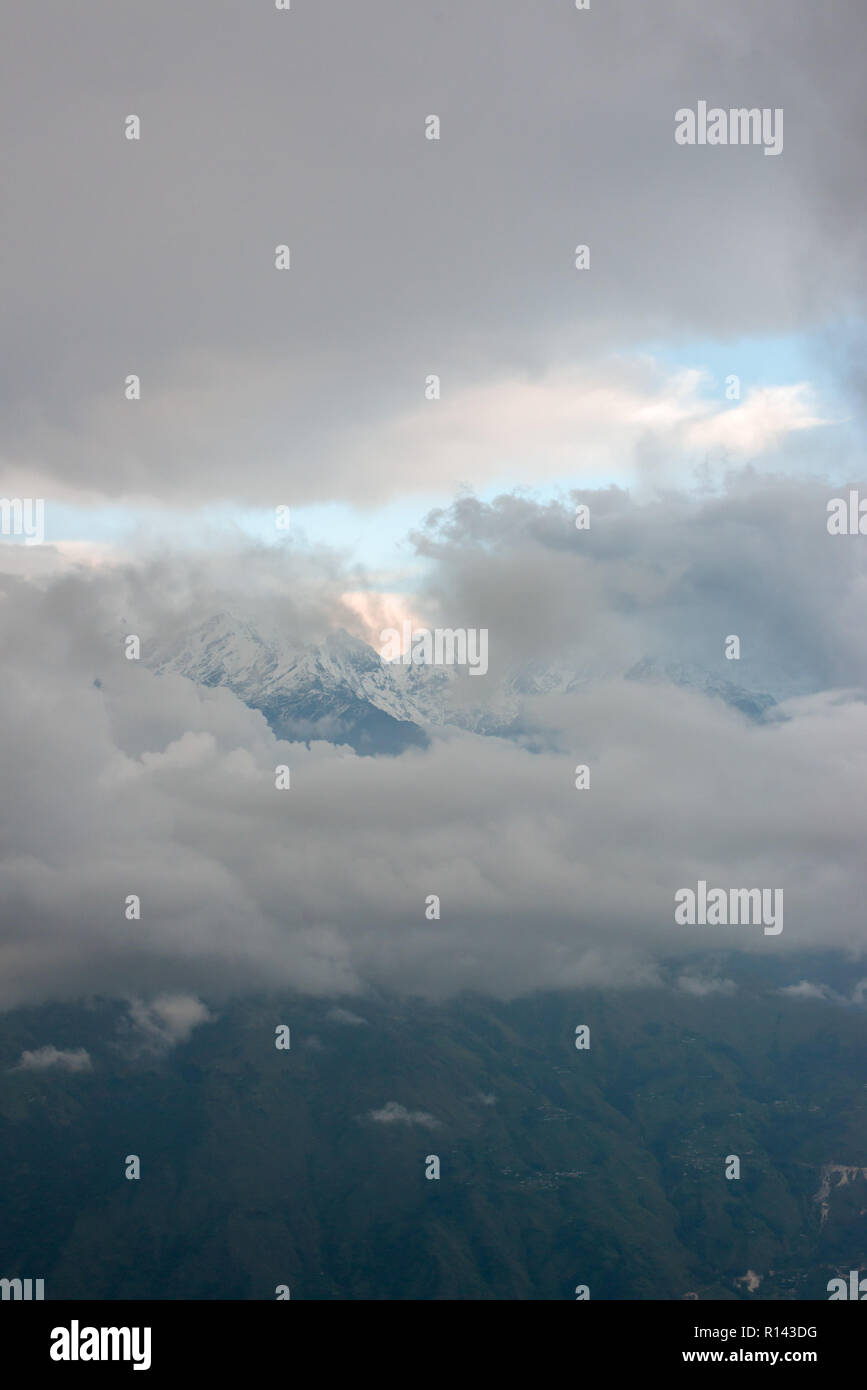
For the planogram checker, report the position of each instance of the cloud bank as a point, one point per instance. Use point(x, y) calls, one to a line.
point(409, 257)
point(120, 781)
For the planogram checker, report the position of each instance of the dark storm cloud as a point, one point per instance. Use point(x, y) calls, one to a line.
point(666, 581)
point(408, 256)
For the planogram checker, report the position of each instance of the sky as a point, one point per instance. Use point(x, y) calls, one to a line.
point(306, 388)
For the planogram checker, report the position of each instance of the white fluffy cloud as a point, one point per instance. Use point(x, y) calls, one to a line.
point(159, 1024)
point(49, 1057)
point(392, 1113)
point(806, 990)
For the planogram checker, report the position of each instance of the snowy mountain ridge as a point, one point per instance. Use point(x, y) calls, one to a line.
point(341, 689)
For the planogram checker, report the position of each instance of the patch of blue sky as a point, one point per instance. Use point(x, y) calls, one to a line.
point(777, 360)
point(377, 538)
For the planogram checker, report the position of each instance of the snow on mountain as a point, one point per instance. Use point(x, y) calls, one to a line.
point(341, 690)
point(750, 702)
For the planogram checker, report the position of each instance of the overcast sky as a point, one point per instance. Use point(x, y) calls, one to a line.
point(409, 256)
point(306, 388)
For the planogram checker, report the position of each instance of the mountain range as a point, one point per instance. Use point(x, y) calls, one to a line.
point(341, 690)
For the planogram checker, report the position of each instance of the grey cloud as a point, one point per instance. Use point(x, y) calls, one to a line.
point(408, 256)
point(668, 580)
point(158, 1025)
point(700, 983)
point(392, 1113)
point(346, 1017)
point(806, 990)
point(152, 785)
point(49, 1057)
